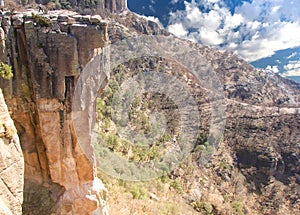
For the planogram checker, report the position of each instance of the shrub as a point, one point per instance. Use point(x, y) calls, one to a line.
point(238, 207)
point(41, 21)
point(137, 190)
point(224, 165)
point(176, 184)
point(5, 71)
point(203, 207)
point(113, 142)
point(65, 4)
point(165, 137)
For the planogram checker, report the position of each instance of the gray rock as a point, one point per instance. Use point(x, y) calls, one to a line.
point(96, 19)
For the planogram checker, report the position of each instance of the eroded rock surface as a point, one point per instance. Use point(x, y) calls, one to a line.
point(11, 164)
point(256, 167)
point(48, 55)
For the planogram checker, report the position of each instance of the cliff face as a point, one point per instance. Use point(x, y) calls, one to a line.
point(47, 61)
point(104, 7)
point(256, 167)
point(114, 6)
point(11, 164)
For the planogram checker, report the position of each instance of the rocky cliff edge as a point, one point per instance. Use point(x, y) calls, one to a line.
point(47, 54)
point(11, 164)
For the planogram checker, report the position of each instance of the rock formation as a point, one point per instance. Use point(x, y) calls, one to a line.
point(49, 53)
point(114, 6)
point(47, 57)
point(11, 164)
point(104, 7)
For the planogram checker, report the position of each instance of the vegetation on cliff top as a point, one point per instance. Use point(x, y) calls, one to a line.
point(41, 20)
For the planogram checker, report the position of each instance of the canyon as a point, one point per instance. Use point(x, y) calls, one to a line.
point(259, 154)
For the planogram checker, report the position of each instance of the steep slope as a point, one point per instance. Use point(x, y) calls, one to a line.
point(11, 164)
point(254, 171)
point(256, 168)
point(59, 177)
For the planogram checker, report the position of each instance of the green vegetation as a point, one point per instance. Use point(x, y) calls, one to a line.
point(203, 207)
point(145, 154)
point(226, 197)
point(205, 148)
point(137, 190)
point(5, 71)
point(148, 143)
point(238, 207)
point(224, 165)
point(141, 192)
point(63, 4)
point(68, 4)
point(151, 117)
point(170, 208)
point(41, 20)
point(176, 184)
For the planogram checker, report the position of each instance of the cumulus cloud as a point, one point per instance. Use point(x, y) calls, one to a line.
point(292, 68)
point(255, 30)
point(292, 65)
point(273, 68)
point(295, 72)
point(178, 29)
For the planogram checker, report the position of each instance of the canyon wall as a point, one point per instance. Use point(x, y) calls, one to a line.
point(113, 6)
point(11, 164)
point(48, 56)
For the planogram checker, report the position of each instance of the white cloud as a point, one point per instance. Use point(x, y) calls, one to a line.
point(292, 65)
point(295, 72)
point(212, 1)
point(154, 19)
point(255, 30)
point(275, 9)
point(292, 68)
point(279, 36)
point(292, 55)
point(273, 68)
point(235, 20)
point(210, 37)
point(174, 1)
point(178, 30)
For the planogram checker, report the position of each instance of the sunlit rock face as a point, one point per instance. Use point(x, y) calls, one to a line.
point(260, 141)
point(115, 6)
point(11, 164)
point(60, 177)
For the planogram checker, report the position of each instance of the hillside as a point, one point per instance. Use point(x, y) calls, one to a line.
point(149, 97)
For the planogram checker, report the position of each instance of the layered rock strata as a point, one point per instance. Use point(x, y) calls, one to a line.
point(11, 164)
point(48, 54)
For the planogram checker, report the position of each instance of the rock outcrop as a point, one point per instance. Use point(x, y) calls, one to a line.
point(48, 54)
point(113, 6)
point(11, 164)
point(104, 7)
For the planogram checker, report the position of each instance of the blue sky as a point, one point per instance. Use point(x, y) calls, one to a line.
point(266, 33)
